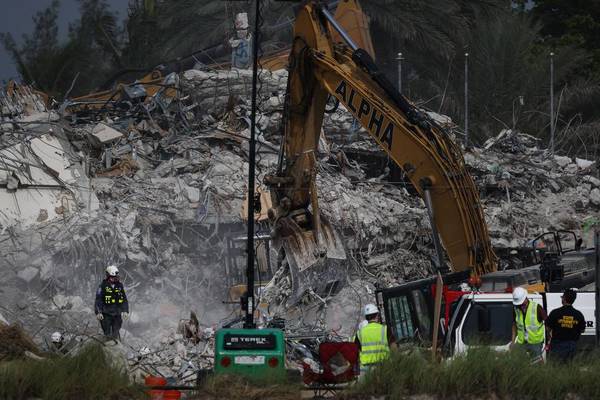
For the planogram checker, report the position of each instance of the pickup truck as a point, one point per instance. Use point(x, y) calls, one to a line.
point(468, 318)
point(486, 319)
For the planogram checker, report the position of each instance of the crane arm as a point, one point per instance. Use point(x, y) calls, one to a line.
point(434, 164)
point(430, 159)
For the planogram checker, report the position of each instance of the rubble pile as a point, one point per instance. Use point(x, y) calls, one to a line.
point(155, 184)
point(527, 191)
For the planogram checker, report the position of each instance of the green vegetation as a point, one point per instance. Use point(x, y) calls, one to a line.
point(481, 374)
point(88, 375)
point(231, 387)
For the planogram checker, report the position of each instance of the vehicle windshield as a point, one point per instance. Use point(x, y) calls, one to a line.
point(488, 324)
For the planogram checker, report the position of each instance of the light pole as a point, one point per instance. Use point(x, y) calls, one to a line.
point(399, 58)
point(249, 311)
point(467, 100)
point(552, 103)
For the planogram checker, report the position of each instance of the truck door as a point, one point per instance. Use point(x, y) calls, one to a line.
point(485, 323)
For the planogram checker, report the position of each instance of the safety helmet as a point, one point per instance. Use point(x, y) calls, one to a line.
point(56, 337)
point(519, 295)
point(371, 309)
point(112, 270)
point(144, 351)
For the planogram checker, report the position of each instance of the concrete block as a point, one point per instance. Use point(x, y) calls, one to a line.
point(103, 134)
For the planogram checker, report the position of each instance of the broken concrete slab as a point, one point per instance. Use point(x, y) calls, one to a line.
point(103, 135)
point(583, 163)
point(28, 274)
point(562, 161)
point(595, 197)
point(591, 179)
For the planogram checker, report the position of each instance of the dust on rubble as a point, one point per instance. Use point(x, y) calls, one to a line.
point(155, 184)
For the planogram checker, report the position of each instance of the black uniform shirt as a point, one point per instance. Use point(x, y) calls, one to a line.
point(566, 323)
point(111, 298)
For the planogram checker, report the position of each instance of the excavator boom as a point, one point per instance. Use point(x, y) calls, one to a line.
point(320, 66)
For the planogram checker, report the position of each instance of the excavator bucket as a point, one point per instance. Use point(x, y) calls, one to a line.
point(316, 266)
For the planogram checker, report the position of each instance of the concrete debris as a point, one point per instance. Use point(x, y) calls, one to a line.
point(156, 186)
point(595, 197)
point(103, 134)
point(28, 274)
point(584, 164)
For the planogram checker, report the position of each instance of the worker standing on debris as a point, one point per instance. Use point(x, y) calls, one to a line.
point(528, 324)
point(111, 303)
point(373, 340)
point(565, 325)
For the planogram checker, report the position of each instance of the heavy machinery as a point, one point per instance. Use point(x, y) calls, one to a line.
point(326, 60)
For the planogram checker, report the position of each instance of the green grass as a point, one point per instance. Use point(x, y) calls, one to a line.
point(481, 374)
point(229, 387)
point(87, 375)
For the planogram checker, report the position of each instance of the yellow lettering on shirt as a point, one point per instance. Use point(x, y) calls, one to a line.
point(567, 322)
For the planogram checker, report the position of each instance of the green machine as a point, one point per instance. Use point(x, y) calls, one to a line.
point(254, 353)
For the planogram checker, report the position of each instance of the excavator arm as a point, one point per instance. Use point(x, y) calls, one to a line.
point(319, 66)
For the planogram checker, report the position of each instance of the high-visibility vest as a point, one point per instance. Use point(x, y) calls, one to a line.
point(113, 295)
point(374, 345)
point(529, 329)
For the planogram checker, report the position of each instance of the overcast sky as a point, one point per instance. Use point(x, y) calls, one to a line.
point(16, 18)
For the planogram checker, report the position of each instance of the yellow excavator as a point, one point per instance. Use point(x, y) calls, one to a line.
point(327, 60)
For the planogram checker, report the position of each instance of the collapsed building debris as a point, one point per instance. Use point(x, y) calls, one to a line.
point(155, 182)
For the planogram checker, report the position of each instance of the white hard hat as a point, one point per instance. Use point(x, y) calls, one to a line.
point(371, 309)
point(112, 270)
point(362, 324)
point(56, 337)
point(144, 351)
point(519, 295)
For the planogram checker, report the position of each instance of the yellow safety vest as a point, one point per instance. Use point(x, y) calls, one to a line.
point(529, 329)
point(374, 346)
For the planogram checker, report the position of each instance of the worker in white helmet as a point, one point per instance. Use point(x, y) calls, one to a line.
point(374, 339)
point(528, 324)
point(111, 303)
point(57, 343)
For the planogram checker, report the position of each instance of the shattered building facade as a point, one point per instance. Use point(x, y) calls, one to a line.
point(155, 183)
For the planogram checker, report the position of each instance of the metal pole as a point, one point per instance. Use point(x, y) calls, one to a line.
point(399, 72)
point(551, 103)
point(597, 308)
point(249, 321)
point(339, 29)
point(426, 186)
point(467, 100)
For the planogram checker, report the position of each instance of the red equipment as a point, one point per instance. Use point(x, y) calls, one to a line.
point(339, 363)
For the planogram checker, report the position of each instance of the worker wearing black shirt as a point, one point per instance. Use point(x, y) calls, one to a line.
point(565, 325)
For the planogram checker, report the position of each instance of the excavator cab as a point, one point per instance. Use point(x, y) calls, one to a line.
point(562, 261)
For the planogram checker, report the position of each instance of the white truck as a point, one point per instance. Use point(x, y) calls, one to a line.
point(468, 319)
point(486, 319)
